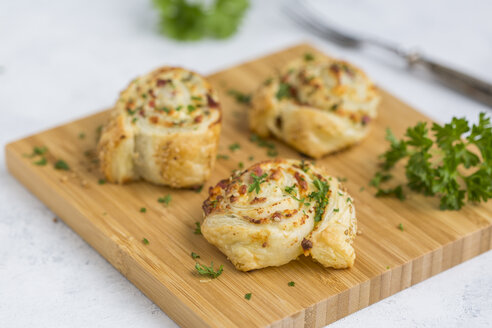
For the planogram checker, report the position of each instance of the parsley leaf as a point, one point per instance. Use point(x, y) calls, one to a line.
point(247, 296)
point(198, 229)
point(240, 97)
point(321, 198)
point(62, 165)
point(194, 255)
point(257, 180)
point(165, 200)
point(283, 91)
point(209, 271)
point(435, 163)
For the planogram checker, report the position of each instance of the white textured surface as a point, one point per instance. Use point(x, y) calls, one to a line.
point(60, 60)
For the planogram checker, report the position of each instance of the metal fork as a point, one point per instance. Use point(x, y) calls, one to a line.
point(462, 82)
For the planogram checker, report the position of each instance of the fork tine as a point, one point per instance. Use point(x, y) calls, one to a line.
point(305, 17)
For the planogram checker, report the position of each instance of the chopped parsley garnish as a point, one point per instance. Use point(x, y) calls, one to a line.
point(336, 210)
point(199, 189)
point(81, 135)
point(165, 109)
point(334, 107)
point(143, 210)
point(292, 193)
point(194, 255)
point(304, 166)
point(235, 146)
point(41, 162)
point(179, 108)
point(37, 151)
point(362, 189)
point(283, 91)
point(145, 241)
point(101, 181)
point(61, 165)
point(209, 271)
point(247, 296)
point(396, 192)
point(191, 109)
point(260, 142)
point(134, 119)
point(251, 158)
point(220, 156)
point(308, 56)
point(400, 226)
point(257, 180)
point(198, 230)
point(164, 200)
point(291, 283)
point(435, 163)
point(240, 97)
point(320, 197)
point(342, 179)
point(241, 165)
point(196, 98)
point(387, 267)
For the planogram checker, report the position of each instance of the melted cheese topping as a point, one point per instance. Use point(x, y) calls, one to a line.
point(282, 194)
point(169, 99)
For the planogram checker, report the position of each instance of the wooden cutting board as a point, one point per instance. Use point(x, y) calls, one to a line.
point(108, 217)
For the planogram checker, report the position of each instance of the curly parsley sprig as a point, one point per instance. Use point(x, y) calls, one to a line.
point(320, 196)
point(436, 164)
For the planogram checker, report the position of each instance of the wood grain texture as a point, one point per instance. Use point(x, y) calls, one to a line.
point(388, 260)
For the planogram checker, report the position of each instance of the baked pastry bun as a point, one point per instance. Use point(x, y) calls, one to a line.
point(274, 211)
point(164, 128)
point(318, 105)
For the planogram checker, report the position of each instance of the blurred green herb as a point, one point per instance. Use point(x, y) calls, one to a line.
point(194, 20)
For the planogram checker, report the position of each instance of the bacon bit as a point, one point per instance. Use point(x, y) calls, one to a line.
point(306, 244)
point(293, 92)
point(278, 122)
point(152, 103)
point(151, 93)
point(289, 213)
point(211, 102)
point(55, 220)
point(257, 200)
point(335, 68)
point(154, 119)
point(141, 113)
point(264, 244)
point(223, 183)
point(242, 189)
point(198, 119)
point(207, 207)
point(276, 216)
point(365, 119)
point(233, 198)
point(257, 170)
point(300, 180)
point(255, 221)
point(161, 83)
point(219, 198)
point(275, 174)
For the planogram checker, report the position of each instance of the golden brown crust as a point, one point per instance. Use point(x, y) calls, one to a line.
point(317, 106)
point(164, 128)
point(269, 214)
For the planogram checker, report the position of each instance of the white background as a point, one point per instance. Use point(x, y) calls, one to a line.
point(61, 60)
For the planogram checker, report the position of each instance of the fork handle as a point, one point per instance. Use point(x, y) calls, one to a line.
point(466, 84)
